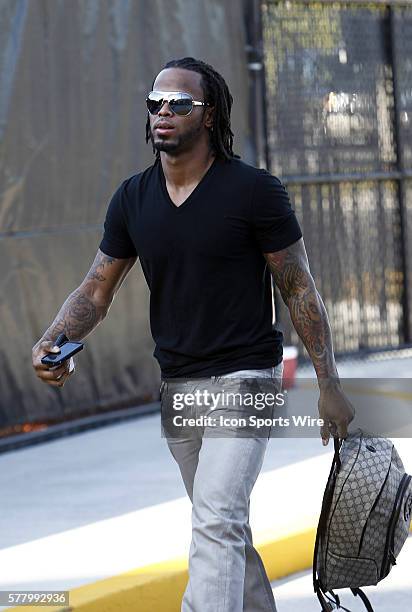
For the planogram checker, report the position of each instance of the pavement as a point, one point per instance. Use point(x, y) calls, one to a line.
point(104, 502)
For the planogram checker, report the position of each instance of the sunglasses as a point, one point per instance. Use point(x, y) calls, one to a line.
point(180, 103)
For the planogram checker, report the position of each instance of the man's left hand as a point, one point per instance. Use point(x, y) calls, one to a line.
point(336, 411)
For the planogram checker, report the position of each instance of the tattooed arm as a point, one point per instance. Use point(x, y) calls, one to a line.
point(291, 273)
point(82, 311)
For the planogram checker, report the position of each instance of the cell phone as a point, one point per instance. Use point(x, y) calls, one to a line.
point(67, 350)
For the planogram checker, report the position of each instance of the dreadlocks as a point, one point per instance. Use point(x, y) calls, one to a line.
point(216, 92)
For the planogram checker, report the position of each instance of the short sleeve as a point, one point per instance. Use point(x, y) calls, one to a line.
point(275, 224)
point(116, 240)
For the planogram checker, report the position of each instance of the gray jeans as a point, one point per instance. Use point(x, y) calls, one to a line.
point(226, 573)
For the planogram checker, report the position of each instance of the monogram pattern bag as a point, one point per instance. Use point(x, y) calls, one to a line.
point(365, 518)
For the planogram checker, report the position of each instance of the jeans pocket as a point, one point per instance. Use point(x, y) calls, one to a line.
point(277, 373)
point(163, 389)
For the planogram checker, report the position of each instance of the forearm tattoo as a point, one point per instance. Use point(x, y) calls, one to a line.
point(80, 314)
point(291, 273)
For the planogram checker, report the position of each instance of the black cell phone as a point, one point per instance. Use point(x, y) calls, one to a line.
point(67, 350)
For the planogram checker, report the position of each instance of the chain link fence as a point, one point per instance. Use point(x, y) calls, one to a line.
point(339, 118)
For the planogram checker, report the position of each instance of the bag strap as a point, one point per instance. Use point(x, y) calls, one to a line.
point(326, 606)
point(329, 605)
point(362, 595)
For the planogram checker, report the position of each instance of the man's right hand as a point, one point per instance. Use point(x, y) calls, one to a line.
point(55, 377)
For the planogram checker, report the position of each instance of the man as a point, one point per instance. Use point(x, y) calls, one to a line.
point(207, 228)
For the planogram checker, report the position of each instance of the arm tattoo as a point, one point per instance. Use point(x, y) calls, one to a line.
point(97, 271)
point(80, 313)
point(78, 316)
point(290, 271)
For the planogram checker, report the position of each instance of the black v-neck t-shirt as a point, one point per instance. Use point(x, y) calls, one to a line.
point(210, 287)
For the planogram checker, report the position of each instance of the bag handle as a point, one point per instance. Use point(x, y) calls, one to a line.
point(337, 443)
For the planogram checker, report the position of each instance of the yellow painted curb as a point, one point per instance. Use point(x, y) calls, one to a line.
point(289, 554)
point(161, 586)
point(145, 589)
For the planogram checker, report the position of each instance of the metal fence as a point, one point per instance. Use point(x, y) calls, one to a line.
point(337, 92)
